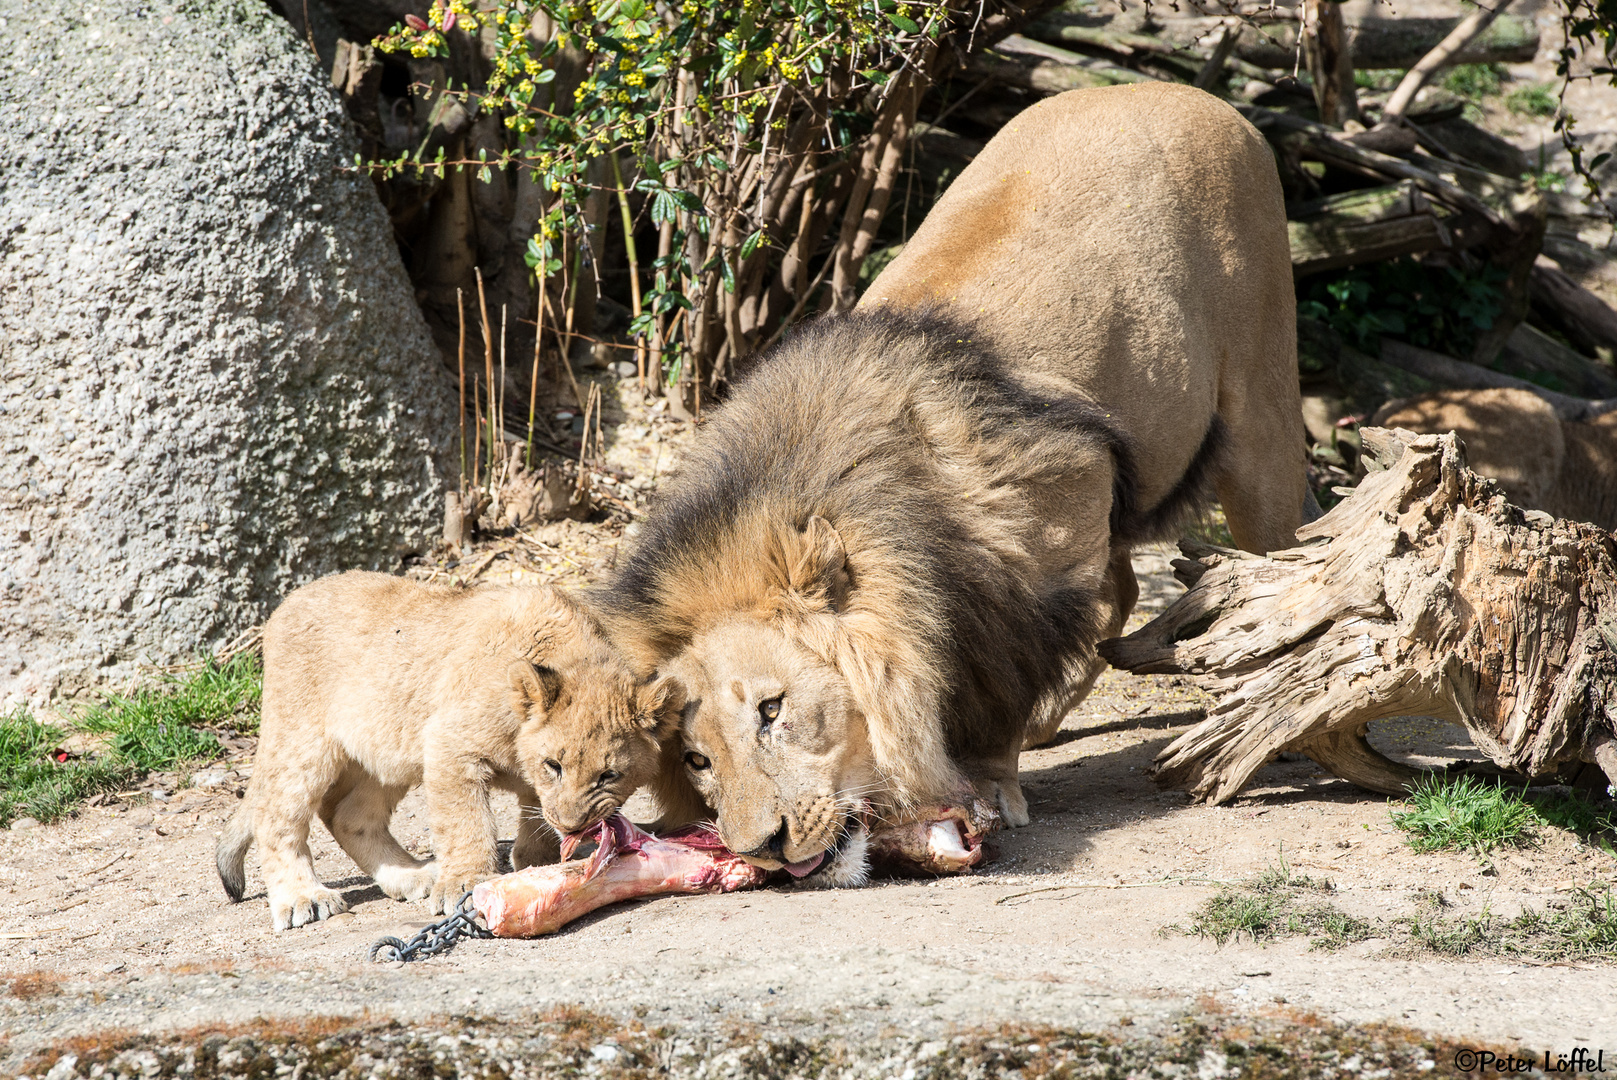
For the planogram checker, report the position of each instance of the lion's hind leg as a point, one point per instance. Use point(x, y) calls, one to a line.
point(292, 791)
point(358, 821)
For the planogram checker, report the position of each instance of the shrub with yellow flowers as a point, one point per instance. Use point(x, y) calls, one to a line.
point(744, 133)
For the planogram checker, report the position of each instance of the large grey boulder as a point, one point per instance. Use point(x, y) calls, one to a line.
point(215, 384)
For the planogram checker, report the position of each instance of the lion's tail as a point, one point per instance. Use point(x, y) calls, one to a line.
point(230, 854)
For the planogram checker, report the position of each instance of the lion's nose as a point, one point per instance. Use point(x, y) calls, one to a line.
point(773, 848)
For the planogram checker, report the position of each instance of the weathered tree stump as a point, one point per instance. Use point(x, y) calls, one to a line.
point(1425, 593)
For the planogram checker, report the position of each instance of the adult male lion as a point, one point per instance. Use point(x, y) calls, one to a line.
point(887, 559)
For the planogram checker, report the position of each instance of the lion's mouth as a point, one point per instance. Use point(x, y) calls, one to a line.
point(817, 864)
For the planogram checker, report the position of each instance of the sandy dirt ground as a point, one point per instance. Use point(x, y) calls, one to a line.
point(121, 912)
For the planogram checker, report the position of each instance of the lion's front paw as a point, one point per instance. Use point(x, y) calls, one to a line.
point(408, 883)
point(300, 908)
point(1007, 798)
point(450, 887)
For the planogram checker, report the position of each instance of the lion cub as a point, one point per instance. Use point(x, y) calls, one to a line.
point(374, 684)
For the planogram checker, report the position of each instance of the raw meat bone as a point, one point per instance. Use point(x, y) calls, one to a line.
point(627, 863)
point(948, 840)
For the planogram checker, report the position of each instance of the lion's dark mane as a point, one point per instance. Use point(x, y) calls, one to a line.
point(826, 425)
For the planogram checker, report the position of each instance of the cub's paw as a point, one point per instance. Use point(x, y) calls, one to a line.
point(450, 887)
point(408, 882)
point(310, 905)
point(538, 850)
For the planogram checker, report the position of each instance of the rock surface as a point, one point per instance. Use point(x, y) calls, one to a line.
point(215, 384)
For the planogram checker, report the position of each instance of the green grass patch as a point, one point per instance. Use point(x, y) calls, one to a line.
point(1466, 814)
point(1475, 81)
point(1535, 99)
point(1278, 904)
point(1593, 823)
point(1476, 815)
point(1584, 927)
point(164, 724)
point(33, 783)
point(1271, 906)
point(1377, 78)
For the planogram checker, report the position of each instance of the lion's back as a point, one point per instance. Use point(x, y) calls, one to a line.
point(1130, 243)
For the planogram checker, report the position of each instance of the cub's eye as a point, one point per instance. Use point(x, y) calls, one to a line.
point(553, 767)
point(769, 710)
point(696, 761)
point(608, 776)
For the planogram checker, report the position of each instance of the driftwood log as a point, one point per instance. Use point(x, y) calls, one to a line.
point(1425, 593)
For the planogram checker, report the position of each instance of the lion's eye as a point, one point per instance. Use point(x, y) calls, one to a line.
point(553, 767)
point(769, 710)
point(696, 761)
point(609, 775)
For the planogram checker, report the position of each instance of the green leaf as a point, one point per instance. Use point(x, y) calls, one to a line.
point(750, 244)
point(663, 207)
point(904, 23)
point(1599, 160)
point(545, 76)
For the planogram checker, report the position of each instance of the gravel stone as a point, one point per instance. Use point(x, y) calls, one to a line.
point(215, 384)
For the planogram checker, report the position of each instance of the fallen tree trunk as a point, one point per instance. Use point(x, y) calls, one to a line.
point(1586, 320)
point(1374, 43)
point(1032, 65)
point(1533, 355)
point(1427, 595)
point(1449, 373)
point(1363, 226)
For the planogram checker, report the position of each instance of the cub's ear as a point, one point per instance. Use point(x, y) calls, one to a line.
point(535, 685)
point(822, 563)
point(662, 703)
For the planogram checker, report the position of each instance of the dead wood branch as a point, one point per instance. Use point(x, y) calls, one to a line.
point(1423, 594)
point(1468, 30)
point(1214, 66)
point(1330, 61)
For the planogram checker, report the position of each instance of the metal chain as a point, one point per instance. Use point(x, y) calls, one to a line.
point(440, 937)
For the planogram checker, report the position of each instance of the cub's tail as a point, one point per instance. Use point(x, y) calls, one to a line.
point(230, 855)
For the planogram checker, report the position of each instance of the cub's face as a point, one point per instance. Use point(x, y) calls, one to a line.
point(775, 745)
point(589, 740)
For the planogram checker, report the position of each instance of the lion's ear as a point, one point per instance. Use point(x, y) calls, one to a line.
point(661, 706)
point(822, 564)
point(535, 685)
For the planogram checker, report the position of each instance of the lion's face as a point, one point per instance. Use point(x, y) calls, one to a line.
point(775, 744)
point(588, 742)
